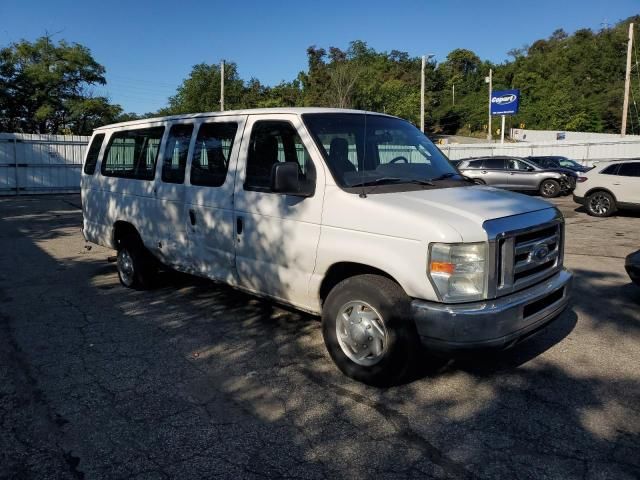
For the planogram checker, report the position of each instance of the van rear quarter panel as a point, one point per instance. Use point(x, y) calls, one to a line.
point(106, 200)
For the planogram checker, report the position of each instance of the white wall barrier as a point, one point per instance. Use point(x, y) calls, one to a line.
point(584, 152)
point(31, 163)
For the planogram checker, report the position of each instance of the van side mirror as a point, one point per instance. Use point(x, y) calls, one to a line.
point(285, 179)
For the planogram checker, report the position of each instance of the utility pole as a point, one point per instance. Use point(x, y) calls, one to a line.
point(489, 80)
point(453, 95)
point(627, 81)
point(424, 61)
point(222, 86)
point(424, 64)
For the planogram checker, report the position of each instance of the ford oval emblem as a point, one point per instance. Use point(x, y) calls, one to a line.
point(541, 252)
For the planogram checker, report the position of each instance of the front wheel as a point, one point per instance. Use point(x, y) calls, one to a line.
point(368, 331)
point(600, 204)
point(550, 188)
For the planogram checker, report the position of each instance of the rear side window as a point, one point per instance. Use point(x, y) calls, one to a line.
point(494, 164)
point(92, 154)
point(175, 153)
point(475, 164)
point(211, 153)
point(133, 153)
point(630, 169)
point(610, 170)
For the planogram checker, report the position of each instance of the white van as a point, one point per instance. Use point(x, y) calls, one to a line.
point(355, 216)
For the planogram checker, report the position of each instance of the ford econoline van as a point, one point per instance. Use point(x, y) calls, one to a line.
point(351, 215)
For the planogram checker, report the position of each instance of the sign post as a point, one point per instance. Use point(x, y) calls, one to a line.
point(504, 102)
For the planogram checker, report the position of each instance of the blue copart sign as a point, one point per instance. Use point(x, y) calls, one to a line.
point(505, 102)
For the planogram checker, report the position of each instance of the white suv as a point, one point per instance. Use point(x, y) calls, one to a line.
point(609, 186)
point(355, 216)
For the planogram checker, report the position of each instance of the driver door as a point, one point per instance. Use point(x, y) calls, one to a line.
point(276, 235)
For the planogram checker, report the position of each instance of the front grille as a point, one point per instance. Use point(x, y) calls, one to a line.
point(526, 257)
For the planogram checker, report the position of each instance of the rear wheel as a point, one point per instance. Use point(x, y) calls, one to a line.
point(600, 204)
point(550, 188)
point(368, 331)
point(136, 267)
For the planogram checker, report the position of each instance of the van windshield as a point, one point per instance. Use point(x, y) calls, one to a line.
point(368, 149)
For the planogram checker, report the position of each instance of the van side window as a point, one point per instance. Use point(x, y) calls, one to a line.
point(175, 153)
point(133, 153)
point(92, 155)
point(272, 142)
point(211, 153)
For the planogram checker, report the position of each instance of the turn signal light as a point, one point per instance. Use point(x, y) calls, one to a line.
point(442, 267)
point(582, 179)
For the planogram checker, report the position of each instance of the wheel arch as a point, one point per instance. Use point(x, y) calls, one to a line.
point(600, 189)
point(123, 229)
point(340, 271)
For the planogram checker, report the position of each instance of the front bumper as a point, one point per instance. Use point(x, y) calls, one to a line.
point(496, 323)
point(577, 199)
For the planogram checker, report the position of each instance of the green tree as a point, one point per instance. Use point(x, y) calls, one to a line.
point(44, 88)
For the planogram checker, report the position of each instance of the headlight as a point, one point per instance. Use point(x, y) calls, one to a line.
point(459, 270)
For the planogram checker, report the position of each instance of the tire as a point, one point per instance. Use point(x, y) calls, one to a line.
point(379, 305)
point(479, 181)
point(600, 204)
point(136, 268)
point(550, 188)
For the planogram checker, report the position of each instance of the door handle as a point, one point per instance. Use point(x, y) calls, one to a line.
point(483, 171)
point(239, 225)
point(192, 216)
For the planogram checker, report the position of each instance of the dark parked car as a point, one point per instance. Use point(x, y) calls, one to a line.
point(632, 265)
point(555, 161)
point(515, 173)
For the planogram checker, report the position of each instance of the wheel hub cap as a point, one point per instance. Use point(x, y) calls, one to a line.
point(600, 204)
point(125, 266)
point(361, 333)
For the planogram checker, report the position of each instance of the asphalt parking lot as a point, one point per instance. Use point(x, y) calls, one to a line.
point(194, 380)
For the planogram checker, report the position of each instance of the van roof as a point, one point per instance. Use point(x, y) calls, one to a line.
point(251, 111)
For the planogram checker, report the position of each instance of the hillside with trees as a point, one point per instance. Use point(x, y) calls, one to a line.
point(568, 82)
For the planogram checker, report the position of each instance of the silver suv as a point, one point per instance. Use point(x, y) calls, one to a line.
point(517, 173)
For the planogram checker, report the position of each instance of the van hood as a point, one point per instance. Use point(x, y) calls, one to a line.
point(462, 209)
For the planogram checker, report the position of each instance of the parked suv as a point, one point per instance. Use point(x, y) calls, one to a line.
point(610, 186)
point(556, 161)
point(516, 173)
point(350, 215)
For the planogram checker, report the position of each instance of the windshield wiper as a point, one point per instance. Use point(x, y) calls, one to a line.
point(443, 176)
point(389, 180)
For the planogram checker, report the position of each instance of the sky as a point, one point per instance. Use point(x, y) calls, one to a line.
point(149, 47)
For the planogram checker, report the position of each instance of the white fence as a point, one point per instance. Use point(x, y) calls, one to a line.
point(51, 163)
point(584, 152)
point(31, 163)
point(537, 136)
